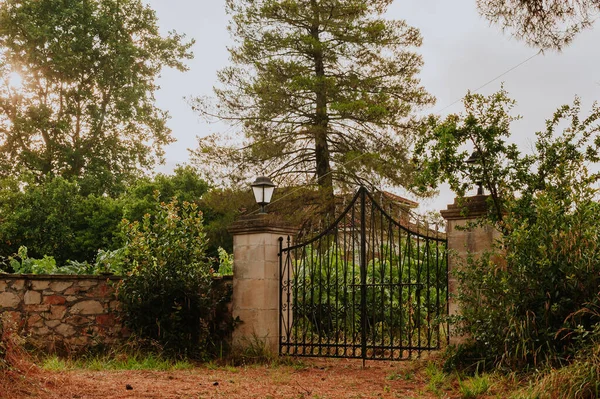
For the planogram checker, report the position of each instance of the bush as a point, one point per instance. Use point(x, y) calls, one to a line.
point(53, 218)
point(522, 306)
point(168, 293)
point(518, 313)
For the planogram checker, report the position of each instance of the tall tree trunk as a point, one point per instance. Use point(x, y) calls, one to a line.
point(321, 121)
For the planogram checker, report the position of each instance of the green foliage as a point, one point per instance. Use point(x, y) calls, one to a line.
point(46, 265)
point(111, 262)
point(219, 208)
point(55, 219)
point(85, 108)
point(225, 263)
point(168, 295)
point(519, 302)
point(437, 379)
point(184, 184)
point(107, 262)
point(313, 86)
point(579, 380)
point(474, 387)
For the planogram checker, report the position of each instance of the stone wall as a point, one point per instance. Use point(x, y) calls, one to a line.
point(69, 312)
point(63, 312)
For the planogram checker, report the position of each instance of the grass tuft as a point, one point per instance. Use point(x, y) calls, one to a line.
point(474, 387)
point(437, 379)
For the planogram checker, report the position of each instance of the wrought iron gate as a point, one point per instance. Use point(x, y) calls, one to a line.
point(367, 287)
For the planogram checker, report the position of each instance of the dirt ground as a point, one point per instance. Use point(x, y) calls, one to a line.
point(314, 379)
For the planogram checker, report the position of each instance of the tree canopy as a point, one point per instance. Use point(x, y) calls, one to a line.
point(84, 107)
point(562, 153)
point(541, 23)
point(322, 91)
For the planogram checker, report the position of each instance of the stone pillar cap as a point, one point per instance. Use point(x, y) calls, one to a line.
point(262, 223)
point(466, 208)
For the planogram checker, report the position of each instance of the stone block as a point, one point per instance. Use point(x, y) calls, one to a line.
point(35, 320)
point(87, 307)
point(60, 286)
point(41, 331)
point(106, 320)
point(52, 323)
point(54, 300)
point(18, 285)
point(3, 286)
point(249, 294)
point(101, 291)
point(73, 290)
point(78, 320)
point(9, 300)
point(13, 316)
point(65, 330)
point(115, 305)
point(39, 285)
point(87, 283)
point(36, 308)
point(32, 298)
point(57, 312)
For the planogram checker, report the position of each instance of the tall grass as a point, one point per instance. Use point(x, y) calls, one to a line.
point(118, 362)
point(578, 380)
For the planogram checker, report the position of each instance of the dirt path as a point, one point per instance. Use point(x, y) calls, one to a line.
point(314, 379)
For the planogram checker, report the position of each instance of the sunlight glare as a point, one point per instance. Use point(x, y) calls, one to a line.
point(15, 81)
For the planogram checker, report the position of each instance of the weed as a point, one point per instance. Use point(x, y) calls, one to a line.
point(407, 376)
point(437, 378)
point(252, 351)
point(474, 386)
point(55, 363)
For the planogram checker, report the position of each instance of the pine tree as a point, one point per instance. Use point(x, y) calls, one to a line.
point(322, 91)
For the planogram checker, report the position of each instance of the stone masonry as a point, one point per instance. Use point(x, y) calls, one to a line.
point(63, 312)
point(465, 240)
point(256, 279)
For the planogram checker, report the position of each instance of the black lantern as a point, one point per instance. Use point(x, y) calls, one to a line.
point(263, 189)
point(475, 159)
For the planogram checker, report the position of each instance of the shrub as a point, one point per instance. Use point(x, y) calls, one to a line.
point(517, 303)
point(518, 313)
point(53, 218)
point(168, 294)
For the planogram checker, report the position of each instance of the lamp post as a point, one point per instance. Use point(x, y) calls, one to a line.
point(475, 159)
point(263, 189)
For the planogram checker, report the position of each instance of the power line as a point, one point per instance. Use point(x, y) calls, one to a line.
point(493, 80)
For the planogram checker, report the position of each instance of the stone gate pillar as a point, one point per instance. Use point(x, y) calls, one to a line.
point(256, 279)
point(462, 241)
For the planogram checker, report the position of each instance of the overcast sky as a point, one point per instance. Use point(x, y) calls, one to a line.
point(460, 49)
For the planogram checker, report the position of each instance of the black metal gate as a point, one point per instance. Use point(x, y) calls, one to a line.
point(367, 287)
